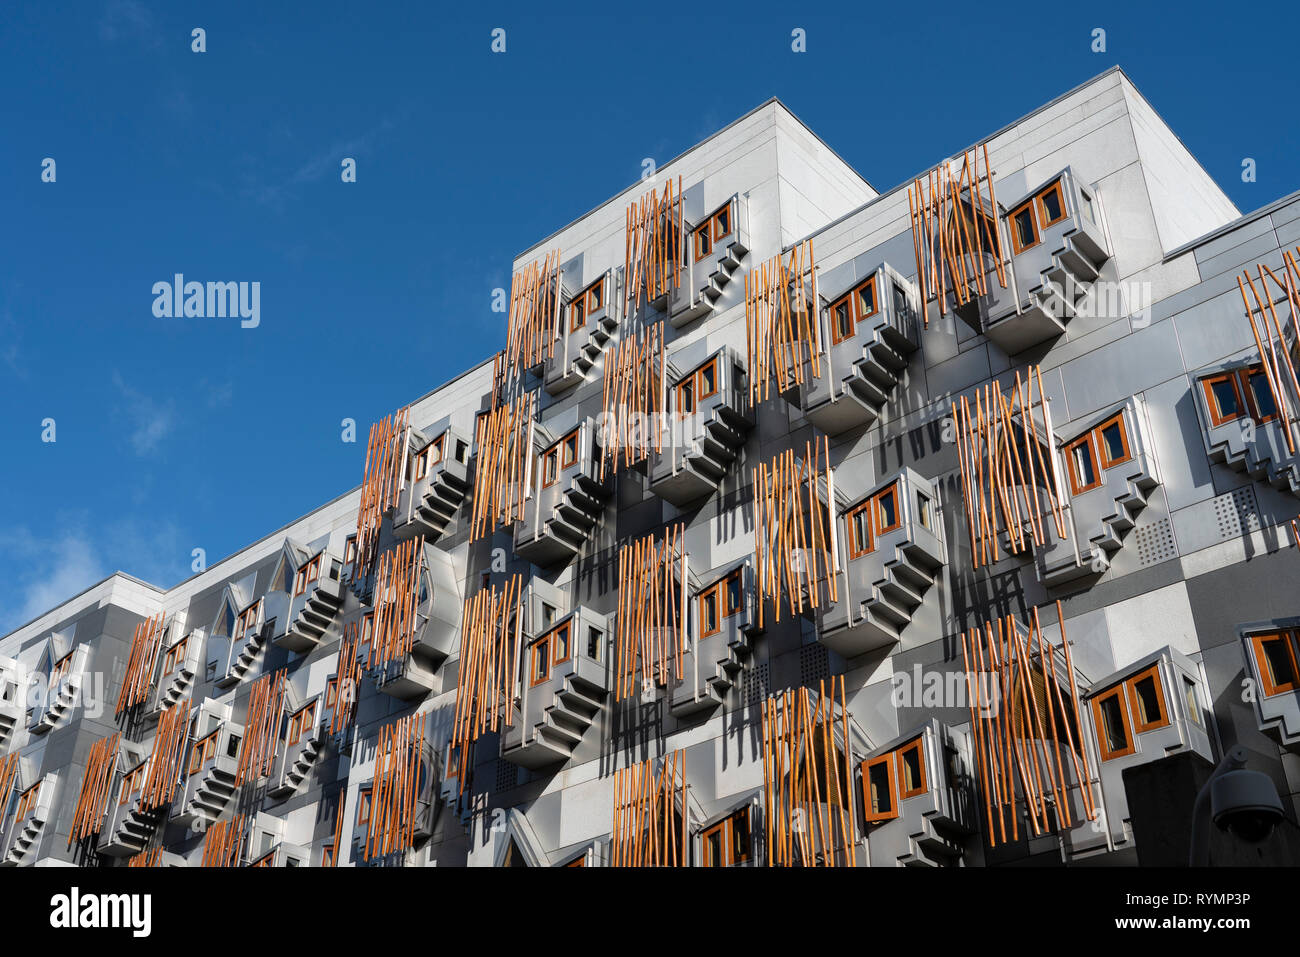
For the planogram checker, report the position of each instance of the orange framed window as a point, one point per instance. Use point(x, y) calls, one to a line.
point(579, 861)
point(596, 296)
point(1259, 397)
point(61, 667)
point(1277, 659)
point(577, 313)
point(703, 242)
point(203, 751)
point(331, 692)
point(27, 801)
point(1081, 456)
point(350, 550)
point(887, 514)
point(685, 394)
point(721, 221)
point(541, 661)
point(911, 769)
point(560, 644)
point(726, 843)
point(1114, 733)
point(841, 320)
point(248, 619)
point(707, 379)
point(434, 452)
point(1146, 695)
point(1112, 441)
point(857, 304)
point(859, 522)
point(710, 620)
point(569, 450)
point(1024, 228)
point(735, 593)
point(1051, 205)
point(363, 807)
point(878, 790)
point(1223, 397)
point(550, 470)
point(175, 656)
point(327, 856)
point(421, 466)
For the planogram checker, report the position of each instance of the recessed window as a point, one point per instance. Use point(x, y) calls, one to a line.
point(923, 510)
point(722, 223)
point(550, 470)
point(1223, 397)
point(1024, 228)
point(841, 321)
point(735, 593)
point(593, 643)
point(363, 807)
point(569, 450)
point(708, 376)
point(1260, 396)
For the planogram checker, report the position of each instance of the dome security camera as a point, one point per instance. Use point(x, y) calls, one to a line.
point(1246, 804)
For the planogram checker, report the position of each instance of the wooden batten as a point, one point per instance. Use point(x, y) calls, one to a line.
point(533, 324)
point(650, 815)
point(395, 793)
point(396, 601)
point(223, 841)
point(951, 251)
point(782, 327)
point(503, 464)
point(633, 399)
point(347, 678)
point(653, 245)
point(96, 785)
point(651, 608)
point(804, 826)
point(261, 728)
point(385, 460)
point(145, 645)
point(168, 757)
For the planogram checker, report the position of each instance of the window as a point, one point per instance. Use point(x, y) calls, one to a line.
point(1258, 394)
point(700, 384)
point(846, 312)
point(860, 541)
point(350, 550)
point(421, 465)
point(203, 752)
point(132, 782)
point(434, 452)
point(1024, 228)
point(232, 746)
point(363, 807)
point(911, 770)
point(923, 510)
point(735, 593)
point(1112, 440)
point(887, 517)
point(569, 450)
point(1193, 701)
point(720, 600)
point(714, 228)
point(703, 241)
point(1051, 205)
point(709, 622)
point(722, 223)
point(175, 656)
point(878, 788)
point(577, 313)
point(1085, 201)
point(1112, 724)
point(727, 842)
point(585, 303)
point(550, 471)
point(301, 724)
point(593, 643)
point(1276, 657)
point(306, 575)
point(541, 661)
point(560, 644)
point(579, 861)
point(331, 692)
point(27, 801)
point(1147, 696)
point(327, 858)
point(247, 620)
point(1230, 395)
point(1081, 455)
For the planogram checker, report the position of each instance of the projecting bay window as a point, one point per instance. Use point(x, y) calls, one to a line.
point(709, 232)
point(1277, 660)
point(559, 457)
point(696, 387)
point(1240, 392)
point(1045, 208)
point(590, 300)
point(175, 656)
point(27, 801)
point(871, 519)
point(307, 575)
point(719, 601)
point(549, 651)
point(726, 843)
point(893, 777)
point(301, 724)
point(846, 312)
point(247, 621)
point(1134, 706)
point(1100, 448)
point(203, 752)
point(132, 782)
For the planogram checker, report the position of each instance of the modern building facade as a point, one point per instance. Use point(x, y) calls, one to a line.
point(796, 523)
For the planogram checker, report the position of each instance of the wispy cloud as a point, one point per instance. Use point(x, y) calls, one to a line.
point(149, 420)
point(129, 20)
point(56, 569)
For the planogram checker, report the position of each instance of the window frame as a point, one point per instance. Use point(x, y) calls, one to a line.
point(1076, 480)
point(1217, 418)
point(876, 817)
point(1017, 246)
point(723, 210)
point(731, 851)
point(1102, 452)
point(569, 449)
point(878, 517)
point(540, 656)
point(918, 745)
point(1130, 685)
point(1247, 391)
point(1268, 685)
point(855, 546)
point(1103, 740)
point(852, 299)
point(568, 644)
point(702, 240)
point(1054, 187)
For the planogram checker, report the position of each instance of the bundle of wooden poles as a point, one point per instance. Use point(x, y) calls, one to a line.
point(397, 790)
point(951, 230)
point(811, 818)
point(261, 728)
point(347, 678)
point(633, 399)
point(1019, 714)
point(491, 634)
point(795, 551)
point(222, 842)
point(8, 778)
point(145, 645)
point(534, 322)
point(503, 464)
point(168, 757)
point(782, 325)
point(652, 600)
point(1010, 482)
point(149, 857)
point(396, 602)
point(96, 783)
point(385, 459)
point(652, 260)
point(650, 815)
point(1275, 357)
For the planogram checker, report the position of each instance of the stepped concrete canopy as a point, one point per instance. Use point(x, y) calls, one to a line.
point(1067, 456)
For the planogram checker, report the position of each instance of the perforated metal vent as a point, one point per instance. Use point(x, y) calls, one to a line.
point(756, 683)
point(1237, 512)
point(1155, 542)
point(813, 664)
point(507, 775)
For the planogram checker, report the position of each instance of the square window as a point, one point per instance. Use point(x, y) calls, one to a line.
point(1222, 397)
point(887, 515)
point(1275, 658)
point(864, 299)
point(1147, 697)
point(911, 770)
point(722, 223)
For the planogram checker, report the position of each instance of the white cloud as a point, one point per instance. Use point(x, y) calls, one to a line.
point(150, 421)
point(57, 570)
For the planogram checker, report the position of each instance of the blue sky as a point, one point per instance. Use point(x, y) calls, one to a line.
point(224, 165)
